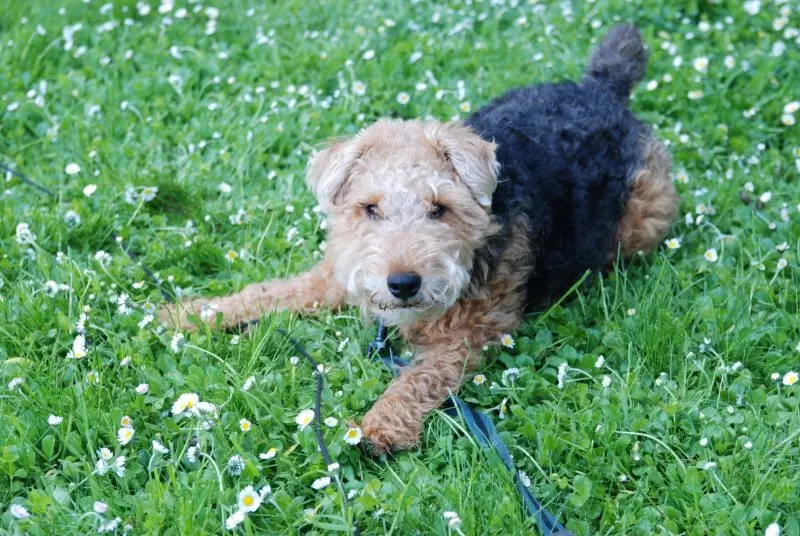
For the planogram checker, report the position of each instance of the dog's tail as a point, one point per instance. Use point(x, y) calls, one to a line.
point(620, 61)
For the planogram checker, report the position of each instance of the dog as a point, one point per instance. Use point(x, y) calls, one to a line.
point(452, 231)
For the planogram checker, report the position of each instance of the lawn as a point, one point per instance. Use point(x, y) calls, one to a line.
point(657, 400)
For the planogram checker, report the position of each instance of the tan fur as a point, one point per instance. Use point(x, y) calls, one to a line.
point(402, 170)
point(652, 205)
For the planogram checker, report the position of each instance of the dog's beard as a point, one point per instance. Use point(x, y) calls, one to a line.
point(441, 287)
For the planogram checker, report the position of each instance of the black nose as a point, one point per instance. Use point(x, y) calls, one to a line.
point(404, 285)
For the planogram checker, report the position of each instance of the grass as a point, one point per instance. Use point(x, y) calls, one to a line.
point(691, 436)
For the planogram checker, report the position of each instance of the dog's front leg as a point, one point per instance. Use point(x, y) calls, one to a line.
point(304, 293)
point(395, 421)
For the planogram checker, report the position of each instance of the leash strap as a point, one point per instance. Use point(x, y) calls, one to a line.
point(482, 429)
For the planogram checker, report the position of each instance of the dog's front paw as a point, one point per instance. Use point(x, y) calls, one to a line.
point(391, 424)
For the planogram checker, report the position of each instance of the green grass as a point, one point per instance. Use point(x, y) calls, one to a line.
point(690, 345)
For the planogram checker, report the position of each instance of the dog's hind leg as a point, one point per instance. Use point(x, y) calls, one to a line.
point(652, 204)
point(308, 292)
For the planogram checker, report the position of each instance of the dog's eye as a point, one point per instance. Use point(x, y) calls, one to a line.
point(437, 211)
point(372, 211)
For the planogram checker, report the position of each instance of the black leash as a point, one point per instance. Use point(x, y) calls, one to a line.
point(323, 449)
point(482, 429)
point(480, 425)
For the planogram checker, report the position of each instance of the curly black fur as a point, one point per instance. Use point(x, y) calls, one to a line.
point(567, 152)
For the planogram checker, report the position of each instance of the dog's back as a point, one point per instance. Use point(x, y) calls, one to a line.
point(570, 154)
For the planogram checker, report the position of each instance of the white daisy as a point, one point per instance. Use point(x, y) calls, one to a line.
point(249, 383)
point(142, 388)
point(304, 418)
point(249, 500)
point(18, 511)
point(235, 519)
point(72, 169)
point(479, 379)
point(54, 420)
point(178, 342)
point(711, 255)
point(507, 340)
point(330, 422)
point(125, 435)
point(790, 378)
point(245, 425)
point(271, 453)
point(321, 483)
point(185, 402)
point(235, 465)
point(773, 530)
point(353, 436)
point(159, 447)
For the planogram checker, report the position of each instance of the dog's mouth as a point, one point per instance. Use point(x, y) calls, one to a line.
point(391, 305)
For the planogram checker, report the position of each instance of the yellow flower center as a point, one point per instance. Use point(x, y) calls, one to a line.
point(190, 404)
point(248, 501)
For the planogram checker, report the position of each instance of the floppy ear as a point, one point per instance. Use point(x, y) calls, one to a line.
point(328, 172)
point(473, 158)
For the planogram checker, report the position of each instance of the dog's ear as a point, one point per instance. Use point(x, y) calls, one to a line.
point(328, 171)
point(473, 158)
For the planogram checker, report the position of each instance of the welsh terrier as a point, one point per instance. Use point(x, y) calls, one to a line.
point(452, 231)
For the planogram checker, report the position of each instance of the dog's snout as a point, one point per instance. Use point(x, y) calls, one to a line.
point(404, 285)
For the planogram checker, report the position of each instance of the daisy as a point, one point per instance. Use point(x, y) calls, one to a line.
point(353, 436)
point(72, 169)
point(503, 409)
point(606, 381)
point(191, 454)
point(773, 530)
point(105, 454)
point(125, 435)
point(231, 256)
point(146, 321)
point(479, 379)
point(249, 500)
point(359, 88)
point(601, 360)
point(249, 383)
point(100, 507)
point(790, 378)
point(126, 422)
point(465, 107)
point(271, 453)
point(509, 375)
point(525, 479)
point(791, 107)
point(78, 348)
point(119, 466)
point(321, 483)
point(729, 62)
point(16, 382)
point(696, 94)
point(304, 418)
point(330, 422)
point(265, 492)
point(711, 255)
point(507, 340)
point(563, 368)
point(701, 64)
point(142, 388)
point(788, 120)
point(185, 402)
point(89, 190)
point(18, 511)
point(235, 519)
point(703, 442)
point(149, 193)
point(333, 467)
point(159, 447)
point(54, 420)
point(177, 343)
point(748, 445)
point(403, 98)
point(235, 465)
point(673, 243)
point(245, 425)
point(452, 519)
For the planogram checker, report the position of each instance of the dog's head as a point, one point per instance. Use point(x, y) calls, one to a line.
point(409, 203)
